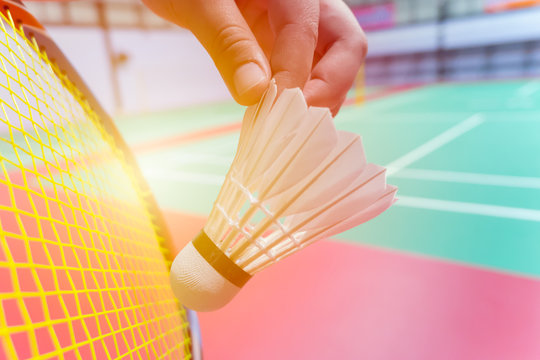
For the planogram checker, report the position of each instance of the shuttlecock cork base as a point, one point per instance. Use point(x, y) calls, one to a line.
point(203, 278)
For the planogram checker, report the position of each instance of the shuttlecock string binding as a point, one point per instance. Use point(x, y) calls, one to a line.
point(247, 165)
point(294, 180)
point(306, 219)
point(295, 195)
point(252, 113)
point(258, 206)
point(236, 253)
point(265, 249)
point(272, 219)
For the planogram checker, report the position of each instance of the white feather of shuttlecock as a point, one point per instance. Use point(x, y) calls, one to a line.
point(294, 180)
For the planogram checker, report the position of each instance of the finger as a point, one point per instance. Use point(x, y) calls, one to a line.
point(295, 25)
point(345, 47)
point(224, 33)
point(256, 15)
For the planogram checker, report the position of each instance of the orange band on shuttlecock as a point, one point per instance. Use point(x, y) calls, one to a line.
point(219, 261)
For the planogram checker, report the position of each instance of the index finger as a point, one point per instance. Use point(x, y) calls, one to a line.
point(295, 25)
point(342, 47)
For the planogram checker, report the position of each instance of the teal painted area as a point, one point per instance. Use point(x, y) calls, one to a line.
point(187, 178)
point(504, 244)
point(475, 97)
point(508, 147)
point(386, 137)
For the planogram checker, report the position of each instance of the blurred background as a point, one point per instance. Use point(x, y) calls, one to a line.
point(137, 62)
point(448, 100)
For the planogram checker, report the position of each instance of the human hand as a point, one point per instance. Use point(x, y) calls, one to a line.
point(316, 45)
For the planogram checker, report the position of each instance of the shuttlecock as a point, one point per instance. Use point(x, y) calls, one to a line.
point(294, 180)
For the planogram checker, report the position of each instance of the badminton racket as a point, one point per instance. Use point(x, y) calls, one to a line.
point(84, 250)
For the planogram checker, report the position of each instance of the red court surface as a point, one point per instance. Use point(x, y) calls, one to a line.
point(341, 301)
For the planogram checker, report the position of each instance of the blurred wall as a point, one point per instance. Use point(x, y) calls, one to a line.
point(474, 47)
point(165, 68)
point(477, 30)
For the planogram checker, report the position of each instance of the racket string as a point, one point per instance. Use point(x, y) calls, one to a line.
point(77, 242)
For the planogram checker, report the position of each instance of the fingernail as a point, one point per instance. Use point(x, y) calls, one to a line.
point(247, 77)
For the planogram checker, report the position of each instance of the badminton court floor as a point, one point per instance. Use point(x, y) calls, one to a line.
point(465, 232)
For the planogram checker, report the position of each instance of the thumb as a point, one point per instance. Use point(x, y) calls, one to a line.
point(223, 31)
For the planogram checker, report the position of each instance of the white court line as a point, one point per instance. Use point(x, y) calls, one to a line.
point(528, 89)
point(523, 96)
point(403, 201)
point(435, 143)
point(470, 178)
point(186, 177)
point(418, 174)
point(182, 159)
point(469, 208)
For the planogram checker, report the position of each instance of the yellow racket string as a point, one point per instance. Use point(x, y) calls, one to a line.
point(82, 272)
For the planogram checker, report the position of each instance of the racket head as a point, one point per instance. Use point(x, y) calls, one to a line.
point(84, 250)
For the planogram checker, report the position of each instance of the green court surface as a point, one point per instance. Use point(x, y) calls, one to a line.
point(464, 156)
